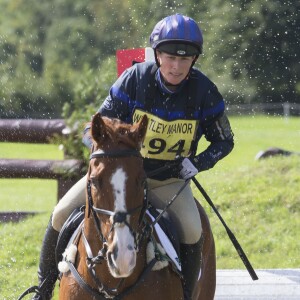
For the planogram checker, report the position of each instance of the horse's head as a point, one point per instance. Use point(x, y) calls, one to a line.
point(116, 188)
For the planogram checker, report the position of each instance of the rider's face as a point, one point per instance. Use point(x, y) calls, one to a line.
point(173, 68)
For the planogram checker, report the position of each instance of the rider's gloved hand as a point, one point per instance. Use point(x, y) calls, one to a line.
point(188, 168)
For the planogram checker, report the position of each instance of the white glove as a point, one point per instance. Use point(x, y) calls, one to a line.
point(188, 169)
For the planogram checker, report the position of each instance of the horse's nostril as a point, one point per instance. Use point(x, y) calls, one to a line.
point(130, 247)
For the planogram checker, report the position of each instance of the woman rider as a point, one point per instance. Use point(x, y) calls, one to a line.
point(182, 105)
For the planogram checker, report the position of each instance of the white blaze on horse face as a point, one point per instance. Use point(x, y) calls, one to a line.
point(118, 181)
point(122, 254)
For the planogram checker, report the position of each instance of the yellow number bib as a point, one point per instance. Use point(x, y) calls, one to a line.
point(166, 139)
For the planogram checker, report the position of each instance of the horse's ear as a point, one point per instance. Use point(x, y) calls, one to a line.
point(98, 129)
point(140, 128)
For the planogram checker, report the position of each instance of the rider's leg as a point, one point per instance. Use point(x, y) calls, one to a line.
point(75, 197)
point(185, 213)
point(190, 256)
point(48, 272)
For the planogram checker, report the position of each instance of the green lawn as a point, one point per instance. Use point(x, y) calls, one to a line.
point(259, 200)
point(28, 194)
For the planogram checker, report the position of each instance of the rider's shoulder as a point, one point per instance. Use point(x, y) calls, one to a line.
point(143, 67)
point(201, 81)
point(140, 71)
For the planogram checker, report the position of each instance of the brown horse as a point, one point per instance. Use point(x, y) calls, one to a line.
point(110, 259)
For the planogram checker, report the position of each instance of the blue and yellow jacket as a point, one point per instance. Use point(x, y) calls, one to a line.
point(177, 120)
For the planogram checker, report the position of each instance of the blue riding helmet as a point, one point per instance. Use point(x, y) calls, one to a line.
point(177, 35)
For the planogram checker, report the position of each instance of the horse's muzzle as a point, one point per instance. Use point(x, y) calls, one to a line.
point(121, 255)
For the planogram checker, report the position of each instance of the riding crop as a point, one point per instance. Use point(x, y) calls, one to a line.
point(229, 232)
point(232, 237)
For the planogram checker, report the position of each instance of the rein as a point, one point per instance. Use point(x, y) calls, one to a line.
point(102, 292)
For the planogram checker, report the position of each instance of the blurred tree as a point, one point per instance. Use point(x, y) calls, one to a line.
point(250, 48)
point(253, 47)
point(22, 34)
point(89, 92)
point(44, 48)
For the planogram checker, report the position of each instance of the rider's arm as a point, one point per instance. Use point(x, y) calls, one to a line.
point(220, 136)
point(217, 130)
point(215, 125)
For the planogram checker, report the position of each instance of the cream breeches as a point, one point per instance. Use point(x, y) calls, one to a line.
point(183, 210)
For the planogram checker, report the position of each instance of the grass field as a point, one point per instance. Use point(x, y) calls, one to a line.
point(259, 200)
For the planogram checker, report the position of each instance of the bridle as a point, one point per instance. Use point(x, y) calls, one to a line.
point(103, 292)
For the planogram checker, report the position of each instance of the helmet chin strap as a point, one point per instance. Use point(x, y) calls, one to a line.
point(194, 61)
point(156, 60)
point(168, 85)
